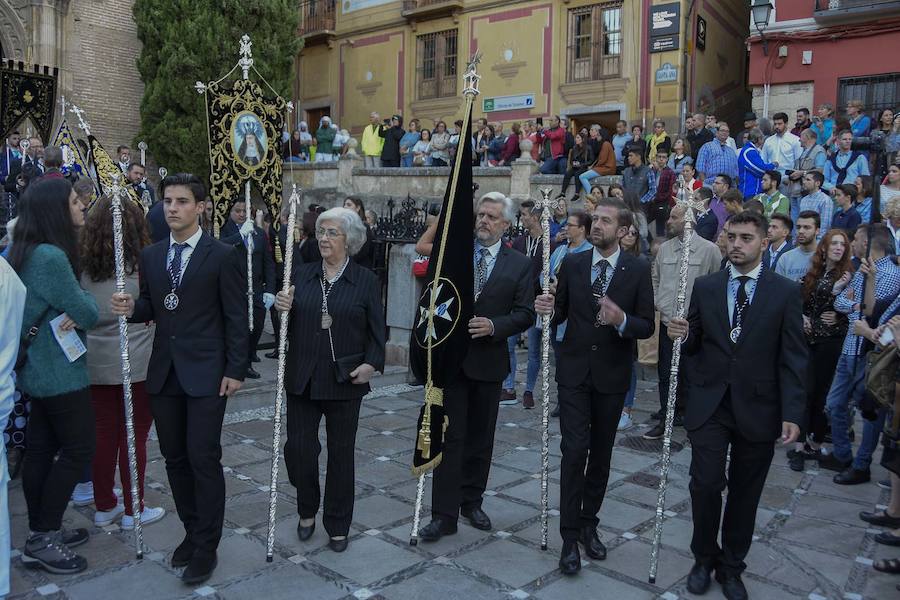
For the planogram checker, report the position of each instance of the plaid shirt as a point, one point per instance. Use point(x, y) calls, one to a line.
point(887, 284)
point(651, 186)
point(715, 159)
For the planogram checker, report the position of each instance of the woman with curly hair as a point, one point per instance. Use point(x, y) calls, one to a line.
point(98, 278)
point(829, 273)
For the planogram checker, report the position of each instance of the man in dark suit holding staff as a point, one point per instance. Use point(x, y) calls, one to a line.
point(745, 328)
point(607, 297)
point(193, 288)
point(504, 295)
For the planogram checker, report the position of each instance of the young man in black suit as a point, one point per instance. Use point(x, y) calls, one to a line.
point(607, 297)
point(504, 296)
point(241, 228)
point(745, 328)
point(193, 288)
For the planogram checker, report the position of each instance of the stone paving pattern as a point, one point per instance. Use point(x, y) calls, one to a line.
point(810, 543)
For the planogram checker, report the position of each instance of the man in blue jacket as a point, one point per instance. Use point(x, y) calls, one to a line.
point(751, 166)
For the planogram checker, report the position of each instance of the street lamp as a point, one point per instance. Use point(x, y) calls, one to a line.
point(762, 10)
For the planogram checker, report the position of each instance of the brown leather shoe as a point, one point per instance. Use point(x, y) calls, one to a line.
point(528, 400)
point(507, 395)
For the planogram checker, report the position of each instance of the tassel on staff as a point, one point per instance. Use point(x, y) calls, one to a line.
point(686, 198)
point(279, 384)
point(116, 194)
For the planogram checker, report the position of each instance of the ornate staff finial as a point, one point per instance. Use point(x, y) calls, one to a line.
point(246, 52)
point(81, 122)
point(142, 146)
point(200, 87)
point(163, 172)
point(687, 199)
point(471, 76)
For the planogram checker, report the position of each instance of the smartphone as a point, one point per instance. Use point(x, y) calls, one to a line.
point(887, 336)
point(788, 172)
point(540, 121)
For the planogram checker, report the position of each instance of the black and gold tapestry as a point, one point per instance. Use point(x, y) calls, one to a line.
point(107, 168)
point(27, 94)
point(244, 140)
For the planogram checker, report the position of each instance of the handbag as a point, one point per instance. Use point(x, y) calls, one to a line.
point(881, 375)
point(344, 365)
point(25, 341)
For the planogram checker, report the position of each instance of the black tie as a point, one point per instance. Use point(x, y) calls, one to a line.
point(598, 289)
point(740, 306)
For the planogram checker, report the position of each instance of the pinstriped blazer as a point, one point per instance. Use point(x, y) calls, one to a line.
point(358, 328)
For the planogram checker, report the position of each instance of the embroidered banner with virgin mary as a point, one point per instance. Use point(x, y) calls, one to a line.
point(245, 123)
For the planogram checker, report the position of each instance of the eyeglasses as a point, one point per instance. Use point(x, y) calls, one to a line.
point(328, 233)
point(631, 232)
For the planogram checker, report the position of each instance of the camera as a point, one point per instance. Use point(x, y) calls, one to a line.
point(873, 143)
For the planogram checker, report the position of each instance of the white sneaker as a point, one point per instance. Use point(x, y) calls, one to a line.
point(102, 518)
point(625, 422)
point(83, 494)
point(148, 515)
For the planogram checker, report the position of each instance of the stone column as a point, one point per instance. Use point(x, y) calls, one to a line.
point(345, 173)
point(520, 178)
point(402, 300)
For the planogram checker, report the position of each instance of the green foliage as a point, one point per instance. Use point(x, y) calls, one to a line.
point(185, 41)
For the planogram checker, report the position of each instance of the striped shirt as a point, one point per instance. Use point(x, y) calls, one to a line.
point(887, 284)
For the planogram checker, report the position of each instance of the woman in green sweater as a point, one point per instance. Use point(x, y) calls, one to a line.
point(45, 256)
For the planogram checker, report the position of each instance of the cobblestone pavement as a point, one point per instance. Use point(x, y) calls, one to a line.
point(810, 543)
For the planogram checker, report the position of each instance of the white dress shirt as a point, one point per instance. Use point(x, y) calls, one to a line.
point(613, 260)
point(186, 253)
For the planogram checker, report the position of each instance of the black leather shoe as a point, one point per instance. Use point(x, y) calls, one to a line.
point(833, 463)
point(183, 554)
point(656, 433)
point(555, 412)
point(570, 559)
point(852, 476)
point(477, 518)
point(272, 354)
point(200, 568)
point(255, 358)
point(699, 578)
point(437, 529)
point(593, 547)
point(338, 545)
point(252, 374)
point(732, 586)
point(304, 533)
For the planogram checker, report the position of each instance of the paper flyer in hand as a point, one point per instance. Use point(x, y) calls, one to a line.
point(71, 344)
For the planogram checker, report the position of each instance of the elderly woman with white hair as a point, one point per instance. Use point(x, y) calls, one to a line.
point(336, 344)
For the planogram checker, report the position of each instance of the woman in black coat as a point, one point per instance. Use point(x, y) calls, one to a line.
point(390, 152)
point(336, 344)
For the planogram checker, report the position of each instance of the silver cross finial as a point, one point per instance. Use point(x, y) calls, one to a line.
point(80, 115)
point(246, 52)
point(685, 198)
point(471, 76)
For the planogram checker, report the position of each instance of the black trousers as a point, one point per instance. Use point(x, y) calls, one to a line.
point(59, 448)
point(301, 455)
point(276, 325)
point(658, 212)
point(823, 357)
point(567, 178)
point(746, 477)
point(259, 321)
point(190, 431)
point(587, 422)
point(389, 162)
point(664, 370)
point(461, 478)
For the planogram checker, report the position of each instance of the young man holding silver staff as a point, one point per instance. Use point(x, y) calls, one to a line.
point(607, 297)
point(745, 330)
point(192, 286)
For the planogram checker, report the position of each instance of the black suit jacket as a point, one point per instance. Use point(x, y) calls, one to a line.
point(207, 336)
point(765, 370)
point(263, 263)
point(358, 328)
point(508, 301)
point(767, 255)
point(600, 351)
point(16, 168)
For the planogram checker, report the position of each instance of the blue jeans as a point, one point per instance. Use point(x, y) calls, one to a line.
point(406, 160)
point(534, 360)
point(795, 210)
point(846, 388)
point(585, 179)
point(871, 434)
point(629, 397)
point(554, 166)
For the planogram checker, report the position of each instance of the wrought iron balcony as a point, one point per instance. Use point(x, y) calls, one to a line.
point(317, 20)
point(418, 10)
point(836, 11)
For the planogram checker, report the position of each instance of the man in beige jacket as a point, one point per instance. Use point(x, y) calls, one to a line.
point(705, 258)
